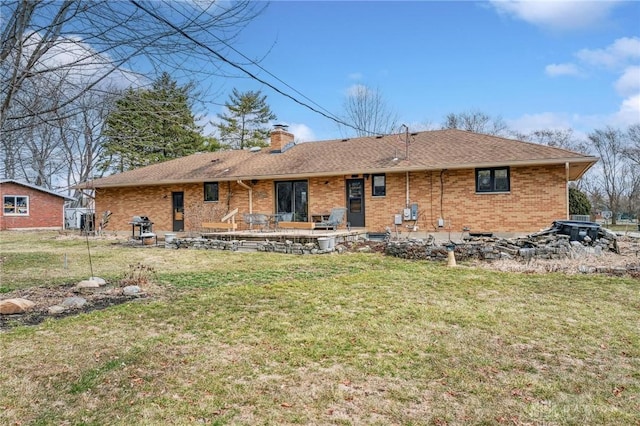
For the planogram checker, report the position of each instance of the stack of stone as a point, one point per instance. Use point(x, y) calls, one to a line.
point(547, 246)
point(201, 244)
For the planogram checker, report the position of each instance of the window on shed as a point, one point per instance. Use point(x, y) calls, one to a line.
point(495, 179)
point(211, 191)
point(15, 205)
point(379, 185)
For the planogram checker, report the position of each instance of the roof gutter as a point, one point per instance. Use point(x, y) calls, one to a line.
point(587, 162)
point(244, 185)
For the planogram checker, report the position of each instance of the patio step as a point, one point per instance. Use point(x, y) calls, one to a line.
point(248, 246)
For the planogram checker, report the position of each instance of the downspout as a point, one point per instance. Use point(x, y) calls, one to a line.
point(566, 168)
point(244, 185)
point(407, 181)
point(441, 218)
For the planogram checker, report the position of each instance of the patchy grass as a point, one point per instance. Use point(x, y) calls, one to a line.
point(254, 338)
point(622, 227)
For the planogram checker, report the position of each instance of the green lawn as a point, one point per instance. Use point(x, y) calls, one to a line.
point(352, 339)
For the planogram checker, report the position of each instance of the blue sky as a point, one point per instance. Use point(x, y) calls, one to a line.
point(536, 64)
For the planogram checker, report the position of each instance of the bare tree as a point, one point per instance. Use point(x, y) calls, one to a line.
point(32, 151)
point(610, 144)
point(633, 133)
point(83, 140)
point(633, 153)
point(476, 121)
point(82, 46)
point(560, 138)
point(368, 112)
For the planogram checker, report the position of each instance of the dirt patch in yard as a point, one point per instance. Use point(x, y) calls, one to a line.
point(47, 297)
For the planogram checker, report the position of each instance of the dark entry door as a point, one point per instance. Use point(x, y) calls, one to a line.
point(178, 211)
point(355, 202)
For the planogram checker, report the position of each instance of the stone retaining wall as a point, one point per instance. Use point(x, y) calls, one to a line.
point(289, 247)
point(202, 244)
point(541, 247)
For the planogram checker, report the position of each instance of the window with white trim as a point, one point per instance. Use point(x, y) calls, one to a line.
point(15, 205)
point(495, 179)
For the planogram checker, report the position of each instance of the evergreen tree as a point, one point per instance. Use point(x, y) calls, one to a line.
point(244, 124)
point(578, 202)
point(149, 126)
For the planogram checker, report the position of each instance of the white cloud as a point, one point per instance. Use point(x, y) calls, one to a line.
point(355, 76)
point(629, 81)
point(79, 64)
point(557, 15)
point(422, 126)
point(620, 53)
point(621, 59)
point(629, 112)
point(555, 70)
point(355, 89)
point(301, 132)
point(545, 120)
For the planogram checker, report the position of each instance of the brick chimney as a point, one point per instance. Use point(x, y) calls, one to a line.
point(280, 137)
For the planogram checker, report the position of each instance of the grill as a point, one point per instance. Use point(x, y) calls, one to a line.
point(141, 224)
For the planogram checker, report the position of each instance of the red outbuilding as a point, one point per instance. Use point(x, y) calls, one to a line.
point(27, 206)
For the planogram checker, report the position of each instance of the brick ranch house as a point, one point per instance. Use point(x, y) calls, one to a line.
point(26, 206)
point(440, 180)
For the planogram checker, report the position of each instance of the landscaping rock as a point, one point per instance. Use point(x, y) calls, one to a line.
point(131, 290)
point(15, 306)
point(99, 280)
point(586, 269)
point(56, 309)
point(74, 302)
point(88, 284)
point(538, 246)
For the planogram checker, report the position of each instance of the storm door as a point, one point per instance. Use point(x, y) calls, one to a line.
point(292, 199)
point(355, 202)
point(178, 211)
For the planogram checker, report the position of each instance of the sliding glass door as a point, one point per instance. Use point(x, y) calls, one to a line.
point(292, 200)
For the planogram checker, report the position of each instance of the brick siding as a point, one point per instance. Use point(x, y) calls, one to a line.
point(45, 210)
point(538, 196)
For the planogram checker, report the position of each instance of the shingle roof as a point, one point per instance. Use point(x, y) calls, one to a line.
point(429, 150)
point(38, 188)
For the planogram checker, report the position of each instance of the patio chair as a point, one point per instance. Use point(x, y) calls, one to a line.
point(336, 218)
point(257, 219)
